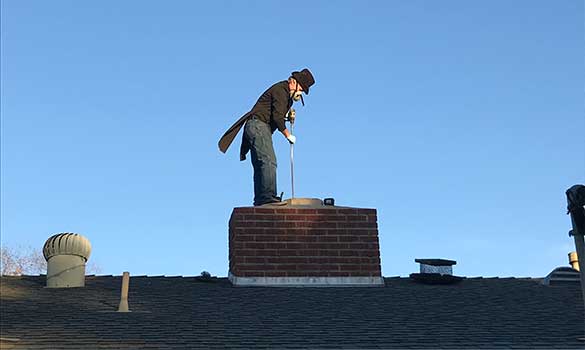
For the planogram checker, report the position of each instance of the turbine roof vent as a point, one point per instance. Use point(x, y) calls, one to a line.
point(67, 244)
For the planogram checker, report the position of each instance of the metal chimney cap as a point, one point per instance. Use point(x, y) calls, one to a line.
point(436, 262)
point(67, 243)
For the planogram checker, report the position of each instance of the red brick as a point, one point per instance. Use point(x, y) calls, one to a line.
point(317, 231)
point(370, 260)
point(327, 239)
point(264, 223)
point(251, 274)
point(317, 224)
point(369, 239)
point(247, 224)
point(286, 238)
point(286, 267)
point(338, 274)
point(297, 231)
point(357, 225)
point(275, 231)
point(359, 246)
point(372, 218)
point(369, 253)
point(243, 238)
point(317, 245)
point(309, 252)
point(264, 211)
point(318, 260)
point(336, 218)
point(256, 267)
point(316, 218)
point(254, 245)
point(294, 260)
point(238, 260)
point(265, 238)
point(273, 274)
point(310, 267)
point(276, 245)
point(348, 253)
point(369, 267)
point(367, 211)
point(295, 218)
point(347, 211)
point(307, 211)
point(253, 230)
point(286, 224)
point(268, 252)
point(346, 260)
point(329, 253)
point(258, 217)
point(252, 260)
point(328, 246)
point(359, 274)
point(237, 217)
point(296, 246)
point(244, 252)
point(236, 245)
point(348, 232)
point(243, 210)
point(348, 238)
point(357, 218)
point(298, 274)
point(307, 238)
point(285, 211)
point(287, 252)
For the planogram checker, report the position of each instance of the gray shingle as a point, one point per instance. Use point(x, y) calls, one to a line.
point(175, 312)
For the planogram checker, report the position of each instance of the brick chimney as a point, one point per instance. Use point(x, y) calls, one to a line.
point(301, 245)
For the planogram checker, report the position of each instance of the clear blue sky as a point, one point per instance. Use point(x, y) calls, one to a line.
point(461, 122)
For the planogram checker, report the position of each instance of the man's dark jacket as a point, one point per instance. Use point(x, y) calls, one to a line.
point(271, 108)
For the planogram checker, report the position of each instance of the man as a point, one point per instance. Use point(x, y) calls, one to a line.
point(268, 115)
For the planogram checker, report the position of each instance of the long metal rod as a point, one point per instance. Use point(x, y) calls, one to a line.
point(292, 164)
point(580, 247)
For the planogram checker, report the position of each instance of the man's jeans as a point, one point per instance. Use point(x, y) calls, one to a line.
point(259, 136)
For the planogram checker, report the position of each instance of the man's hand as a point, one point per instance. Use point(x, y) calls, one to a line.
point(292, 139)
point(291, 115)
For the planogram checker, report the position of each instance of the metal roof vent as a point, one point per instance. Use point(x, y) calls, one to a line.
point(66, 255)
point(562, 275)
point(574, 260)
point(435, 271)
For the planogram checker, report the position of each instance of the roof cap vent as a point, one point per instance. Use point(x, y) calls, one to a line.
point(562, 275)
point(66, 254)
point(440, 266)
point(436, 271)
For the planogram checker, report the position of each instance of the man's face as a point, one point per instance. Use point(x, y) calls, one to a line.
point(293, 85)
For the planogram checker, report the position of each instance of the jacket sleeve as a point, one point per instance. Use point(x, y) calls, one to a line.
point(279, 107)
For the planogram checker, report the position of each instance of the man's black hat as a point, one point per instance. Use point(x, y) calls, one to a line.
point(305, 78)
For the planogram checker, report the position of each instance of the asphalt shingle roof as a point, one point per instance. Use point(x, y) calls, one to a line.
point(186, 312)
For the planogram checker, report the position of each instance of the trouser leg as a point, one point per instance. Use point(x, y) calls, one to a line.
point(263, 159)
